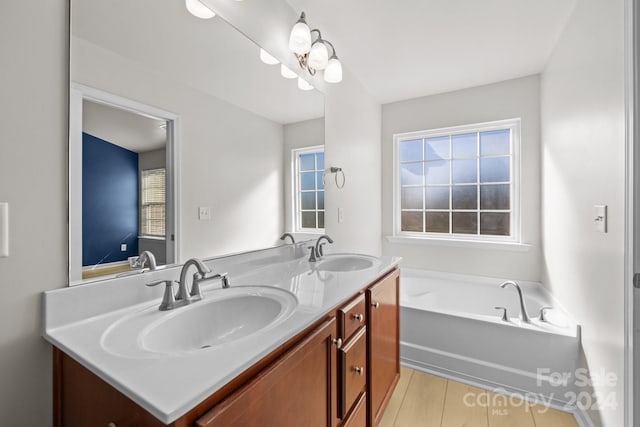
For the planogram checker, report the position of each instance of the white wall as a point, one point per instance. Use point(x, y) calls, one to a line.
point(33, 141)
point(231, 159)
point(308, 133)
point(505, 100)
point(583, 154)
point(352, 132)
point(352, 127)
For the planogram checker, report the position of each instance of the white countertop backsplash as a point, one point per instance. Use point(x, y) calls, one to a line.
point(76, 319)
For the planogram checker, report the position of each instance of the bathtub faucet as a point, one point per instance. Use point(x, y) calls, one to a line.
point(524, 316)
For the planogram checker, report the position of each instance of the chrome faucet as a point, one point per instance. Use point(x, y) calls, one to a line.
point(524, 316)
point(183, 297)
point(289, 235)
point(183, 294)
point(146, 257)
point(317, 251)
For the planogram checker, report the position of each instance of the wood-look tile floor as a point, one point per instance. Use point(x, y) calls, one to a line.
point(424, 400)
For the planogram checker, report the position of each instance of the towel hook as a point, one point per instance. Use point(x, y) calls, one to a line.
point(335, 170)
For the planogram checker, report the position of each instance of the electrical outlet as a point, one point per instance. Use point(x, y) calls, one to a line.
point(123, 247)
point(204, 213)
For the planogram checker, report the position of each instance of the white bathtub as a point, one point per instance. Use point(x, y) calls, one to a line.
point(448, 325)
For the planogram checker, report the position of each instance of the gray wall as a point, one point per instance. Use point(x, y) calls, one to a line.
point(505, 100)
point(33, 155)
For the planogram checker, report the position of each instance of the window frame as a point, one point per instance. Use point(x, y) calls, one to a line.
point(297, 204)
point(142, 205)
point(514, 125)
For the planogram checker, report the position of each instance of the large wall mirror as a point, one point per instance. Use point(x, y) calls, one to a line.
point(180, 138)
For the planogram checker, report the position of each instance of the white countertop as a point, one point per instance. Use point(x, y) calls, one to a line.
point(77, 318)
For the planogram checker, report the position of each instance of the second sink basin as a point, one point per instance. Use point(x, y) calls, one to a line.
point(345, 262)
point(223, 316)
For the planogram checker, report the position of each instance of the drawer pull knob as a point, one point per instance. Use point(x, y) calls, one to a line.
point(112, 424)
point(359, 370)
point(359, 317)
point(338, 342)
point(375, 304)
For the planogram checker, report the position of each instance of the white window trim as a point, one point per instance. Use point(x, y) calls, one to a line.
point(506, 242)
point(295, 179)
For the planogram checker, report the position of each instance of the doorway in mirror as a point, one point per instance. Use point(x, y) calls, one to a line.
point(122, 181)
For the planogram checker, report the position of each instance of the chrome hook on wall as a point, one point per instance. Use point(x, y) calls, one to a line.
point(335, 170)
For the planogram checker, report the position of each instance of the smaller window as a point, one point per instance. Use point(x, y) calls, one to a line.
point(308, 205)
point(153, 207)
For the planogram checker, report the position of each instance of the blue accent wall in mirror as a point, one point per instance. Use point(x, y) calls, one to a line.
point(109, 201)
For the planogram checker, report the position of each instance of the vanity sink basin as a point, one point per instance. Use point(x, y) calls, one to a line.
point(222, 317)
point(344, 263)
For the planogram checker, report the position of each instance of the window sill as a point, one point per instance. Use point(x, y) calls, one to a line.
point(471, 244)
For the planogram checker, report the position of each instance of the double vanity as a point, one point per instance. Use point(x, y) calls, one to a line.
point(289, 342)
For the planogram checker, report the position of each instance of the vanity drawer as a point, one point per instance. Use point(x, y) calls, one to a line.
point(358, 416)
point(353, 370)
point(351, 317)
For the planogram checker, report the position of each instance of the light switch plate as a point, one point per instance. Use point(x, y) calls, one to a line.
point(600, 218)
point(4, 229)
point(340, 215)
point(204, 213)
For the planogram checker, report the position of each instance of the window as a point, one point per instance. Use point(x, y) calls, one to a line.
point(309, 188)
point(152, 213)
point(458, 183)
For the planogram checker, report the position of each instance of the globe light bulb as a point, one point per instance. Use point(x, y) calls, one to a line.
point(333, 72)
point(300, 37)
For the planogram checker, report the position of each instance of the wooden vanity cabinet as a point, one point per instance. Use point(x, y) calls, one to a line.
point(339, 372)
point(297, 390)
point(383, 350)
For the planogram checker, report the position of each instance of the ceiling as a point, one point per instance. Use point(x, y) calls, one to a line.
point(404, 49)
point(128, 130)
point(207, 55)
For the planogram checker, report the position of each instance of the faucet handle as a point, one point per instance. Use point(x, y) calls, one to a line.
point(196, 292)
point(505, 318)
point(168, 299)
point(543, 310)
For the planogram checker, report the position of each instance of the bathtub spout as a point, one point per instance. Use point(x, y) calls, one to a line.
point(524, 316)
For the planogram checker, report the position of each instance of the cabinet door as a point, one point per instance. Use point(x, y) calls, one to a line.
point(296, 390)
point(384, 343)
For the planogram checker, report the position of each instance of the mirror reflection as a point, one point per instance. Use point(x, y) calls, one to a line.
point(182, 141)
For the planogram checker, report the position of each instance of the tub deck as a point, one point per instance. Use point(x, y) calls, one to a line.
point(449, 326)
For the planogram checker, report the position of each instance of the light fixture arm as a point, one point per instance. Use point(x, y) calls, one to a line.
point(319, 35)
point(333, 49)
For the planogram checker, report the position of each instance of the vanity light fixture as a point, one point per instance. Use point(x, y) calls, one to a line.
point(267, 58)
point(313, 55)
point(199, 9)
